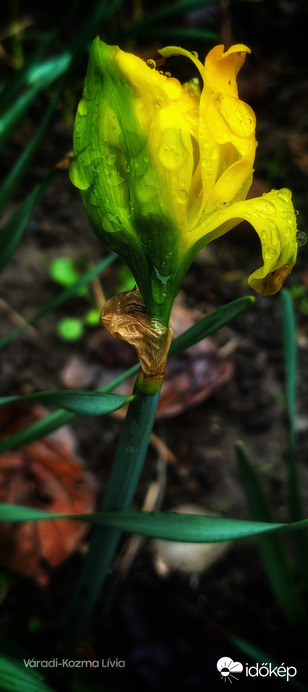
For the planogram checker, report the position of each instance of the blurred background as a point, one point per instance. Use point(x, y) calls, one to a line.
point(169, 616)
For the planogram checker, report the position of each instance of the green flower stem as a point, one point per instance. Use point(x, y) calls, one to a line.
point(122, 483)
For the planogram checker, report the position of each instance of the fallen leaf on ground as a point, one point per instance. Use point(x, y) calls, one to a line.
point(45, 475)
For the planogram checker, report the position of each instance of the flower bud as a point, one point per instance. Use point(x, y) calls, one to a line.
point(165, 168)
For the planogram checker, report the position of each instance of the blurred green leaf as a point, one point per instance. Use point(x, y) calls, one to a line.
point(165, 12)
point(63, 270)
point(12, 232)
point(22, 164)
point(290, 363)
point(17, 110)
point(30, 71)
point(15, 676)
point(181, 34)
point(92, 317)
point(70, 329)
point(273, 550)
point(290, 352)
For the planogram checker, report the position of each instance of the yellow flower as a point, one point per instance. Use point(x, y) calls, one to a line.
point(165, 168)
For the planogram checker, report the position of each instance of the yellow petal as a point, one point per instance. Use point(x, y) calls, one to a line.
point(273, 218)
point(220, 69)
point(166, 116)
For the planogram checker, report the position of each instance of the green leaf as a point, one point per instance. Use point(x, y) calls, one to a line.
point(188, 528)
point(273, 550)
point(77, 401)
point(13, 231)
point(37, 430)
point(54, 420)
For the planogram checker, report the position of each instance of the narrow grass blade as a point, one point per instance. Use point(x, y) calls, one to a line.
point(18, 109)
point(290, 364)
point(22, 164)
point(273, 550)
point(206, 326)
point(54, 420)
point(13, 231)
point(188, 528)
point(257, 654)
point(210, 323)
point(14, 675)
point(63, 297)
point(29, 73)
point(290, 353)
point(181, 34)
point(164, 13)
point(77, 401)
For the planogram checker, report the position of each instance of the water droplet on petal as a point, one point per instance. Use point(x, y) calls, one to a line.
point(151, 64)
point(172, 152)
point(172, 88)
point(285, 195)
point(182, 196)
point(195, 54)
point(271, 254)
point(301, 238)
point(82, 107)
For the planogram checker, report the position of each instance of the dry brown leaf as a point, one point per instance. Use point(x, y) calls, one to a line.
point(190, 377)
point(48, 476)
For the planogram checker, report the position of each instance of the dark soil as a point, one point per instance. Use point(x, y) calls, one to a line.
point(172, 630)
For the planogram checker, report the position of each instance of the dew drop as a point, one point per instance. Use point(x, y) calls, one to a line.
point(168, 74)
point(151, 64)
point(82, 107)
point(285, 195)
point(172, 88)
point(182, 196)
point(195, 54)
point(271, 253)
point(301, 238)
